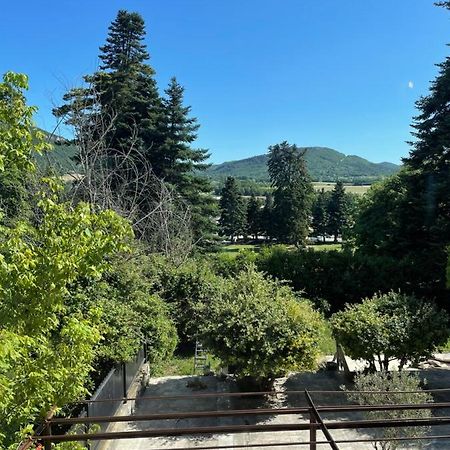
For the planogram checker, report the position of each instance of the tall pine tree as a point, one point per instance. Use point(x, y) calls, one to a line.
point(293, 192)
point(153, 132)
point(337, 210)
point(178, 163)
point(320, 214)
point(232, 210)
point(254, 217)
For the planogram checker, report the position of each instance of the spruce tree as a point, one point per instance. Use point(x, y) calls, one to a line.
point(293, 192)
point(232, 211)
point(178, 163)
point(254, 217)
point(153, 132)
point(426, 214)
point(125, 89)
point(320, 214)
point(337, 210)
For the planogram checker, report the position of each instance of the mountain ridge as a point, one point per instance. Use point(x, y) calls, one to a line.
point(324, 164)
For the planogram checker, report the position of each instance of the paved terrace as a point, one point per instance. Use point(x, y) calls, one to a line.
point(169, 386)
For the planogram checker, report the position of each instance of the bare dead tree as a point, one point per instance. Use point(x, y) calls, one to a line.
point(122, 180)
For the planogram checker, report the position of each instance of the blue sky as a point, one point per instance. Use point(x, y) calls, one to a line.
point(339, 74)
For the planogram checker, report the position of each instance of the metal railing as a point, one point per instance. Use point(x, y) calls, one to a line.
point(312, 411)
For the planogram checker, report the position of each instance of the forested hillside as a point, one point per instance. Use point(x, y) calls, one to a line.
point(324, 164)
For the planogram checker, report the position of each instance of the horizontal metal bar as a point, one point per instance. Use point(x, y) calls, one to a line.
point(252, 394)
point(248, 412)
point(161, 432)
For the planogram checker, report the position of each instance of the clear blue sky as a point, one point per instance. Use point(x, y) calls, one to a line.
point(343, 74)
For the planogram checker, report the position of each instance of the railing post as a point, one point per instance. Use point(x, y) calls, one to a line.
point(124, 380)
point(312, 431)
point(86, 427)
point(48, 432)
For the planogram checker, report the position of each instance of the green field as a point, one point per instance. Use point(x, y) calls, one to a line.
point(358, 189)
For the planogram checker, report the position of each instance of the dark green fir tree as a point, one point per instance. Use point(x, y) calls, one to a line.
point(181, 165)
point(320, 214)
point(232, 219)
point(293, 193)
point(337, 211)
point(254, 217)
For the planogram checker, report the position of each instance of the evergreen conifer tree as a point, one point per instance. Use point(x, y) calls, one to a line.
point(154, 132)
point(232, 211)
point(293, 192)
point(267, 217)
point(337, 210)
point(178, 163)
point(320, 214)
point(254, 216)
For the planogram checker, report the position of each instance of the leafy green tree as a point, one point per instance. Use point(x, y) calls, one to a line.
point(395, 388)
point(45, 353)
point(180, 164)
point(260, 327)
point(293, 193)
point(390, 326)
point(232, 210)
point(320, 214)
point(337, 210)
point(254, 217)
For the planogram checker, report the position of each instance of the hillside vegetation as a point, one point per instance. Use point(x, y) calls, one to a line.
point(324, 164)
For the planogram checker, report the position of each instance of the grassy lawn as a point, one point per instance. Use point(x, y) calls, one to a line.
point(234, 249)
point(184, 365)
point(325, 247)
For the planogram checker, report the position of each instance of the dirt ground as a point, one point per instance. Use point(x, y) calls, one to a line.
point(325, 380)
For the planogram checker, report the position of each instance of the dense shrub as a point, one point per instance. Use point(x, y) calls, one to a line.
point(261, 328)
point(184, 288)
point(402, 383)
point(333, 277)
point(390, 326)
point(130, 312)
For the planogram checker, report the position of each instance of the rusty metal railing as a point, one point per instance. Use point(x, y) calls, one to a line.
point(312, 411)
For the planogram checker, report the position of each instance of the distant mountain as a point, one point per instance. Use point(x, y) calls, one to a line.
point(324, 164)
point(61, 157)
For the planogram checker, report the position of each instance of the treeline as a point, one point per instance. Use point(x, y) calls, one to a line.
point(293, 211)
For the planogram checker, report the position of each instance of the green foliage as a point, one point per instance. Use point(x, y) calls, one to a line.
point(320, 214)
point(232, 210)
point(324, 164)
point(332, 277)
point(267, 222)
point(390, 326)
point(254, 217)
point(18, 136)
point(46, 353)
point(130, 312)
point(293, 193)
point(395, 383)
point(185, 289)
point(260, 327)
point(337, 211)
point(154, 132)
